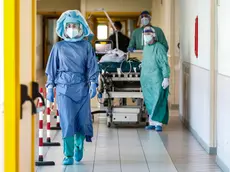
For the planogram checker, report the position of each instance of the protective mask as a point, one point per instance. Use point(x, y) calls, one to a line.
point(145, 21)
point(148, 38)
point(72, 32)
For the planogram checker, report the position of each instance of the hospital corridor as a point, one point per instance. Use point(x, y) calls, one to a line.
point(114, 86)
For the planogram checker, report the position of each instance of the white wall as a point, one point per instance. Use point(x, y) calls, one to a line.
point(189, 11)
point(223, 37)
point(198, 112)
point(223, 84)
point(119, 5)
point(57, 5)
point(176, 50)
point(39, 43)
point(166, 16)
point(1, 89)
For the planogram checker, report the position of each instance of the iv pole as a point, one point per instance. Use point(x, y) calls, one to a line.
point(116, 31)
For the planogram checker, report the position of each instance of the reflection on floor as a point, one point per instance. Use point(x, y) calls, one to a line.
point(136, 150)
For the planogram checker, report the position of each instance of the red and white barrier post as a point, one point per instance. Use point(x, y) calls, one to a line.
point(41, 161)
point(48, 120)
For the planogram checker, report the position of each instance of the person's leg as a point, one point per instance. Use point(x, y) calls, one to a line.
point(79, 146)
point(66, 112)
point(84, 128)
point(68, 150)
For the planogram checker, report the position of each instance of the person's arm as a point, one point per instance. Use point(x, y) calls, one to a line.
point(92, 66)
point(162, 61)
point(128, 40)
point(162, 39)
point(113, 39)
point(126, 43)
point(52, 67)
point(132, 42)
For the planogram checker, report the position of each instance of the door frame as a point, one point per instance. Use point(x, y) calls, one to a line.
point(11, 84)
point(12, 97)
point(45, 37)
point(33, 79)
point(213, 75)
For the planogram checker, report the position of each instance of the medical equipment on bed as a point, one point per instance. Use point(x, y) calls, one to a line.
point(113, 56)
point(103, 46)
point(122, 81)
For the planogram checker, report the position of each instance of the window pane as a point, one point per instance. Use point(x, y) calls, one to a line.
point(102, 32)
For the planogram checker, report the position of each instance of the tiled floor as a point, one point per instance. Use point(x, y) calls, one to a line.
point(185, 152)
point(136, 150)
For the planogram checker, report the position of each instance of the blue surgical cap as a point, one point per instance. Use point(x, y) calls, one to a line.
point(145, 12)
point(72, 16)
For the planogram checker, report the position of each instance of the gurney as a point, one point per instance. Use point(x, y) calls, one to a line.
point(121, 81)
point(119, 84)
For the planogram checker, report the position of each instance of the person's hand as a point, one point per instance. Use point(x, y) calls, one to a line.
point(50, 94)
point(92, 90)
point(165, 83)
point(130, 49)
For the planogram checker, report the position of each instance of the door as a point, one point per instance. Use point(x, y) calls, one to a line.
point(27, 75)
point(1, 90)
point(50, 36)
point(19, 54)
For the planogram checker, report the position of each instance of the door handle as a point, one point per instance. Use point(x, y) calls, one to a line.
point(36, 93)
point(25, 97)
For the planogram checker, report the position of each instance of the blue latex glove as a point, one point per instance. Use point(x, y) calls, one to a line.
point(92, 90)
point(50, 95)
point(99, 95)
point(131, 49)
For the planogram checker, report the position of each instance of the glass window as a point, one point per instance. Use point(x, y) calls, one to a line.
point(102, 32)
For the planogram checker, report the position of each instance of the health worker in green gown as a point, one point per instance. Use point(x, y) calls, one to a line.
point(155, 73)
point(137, 41)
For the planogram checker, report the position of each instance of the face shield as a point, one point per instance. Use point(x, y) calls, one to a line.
point(73, 30)
point(149, 35)
point(145, 18)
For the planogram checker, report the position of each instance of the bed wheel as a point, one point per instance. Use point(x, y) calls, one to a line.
point(108, 124)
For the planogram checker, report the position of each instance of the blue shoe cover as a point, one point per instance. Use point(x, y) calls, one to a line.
point(78, 154)
point(67, 161)
point(150, 127)
point(88, 138)
point(158, 128)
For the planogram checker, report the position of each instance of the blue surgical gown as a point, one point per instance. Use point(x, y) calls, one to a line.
point(70, 68)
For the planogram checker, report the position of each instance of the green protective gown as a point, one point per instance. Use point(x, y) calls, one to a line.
point(154, 69)
point(137, 43)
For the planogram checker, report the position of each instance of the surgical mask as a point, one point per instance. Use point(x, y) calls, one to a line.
point(73, 32)
point(145, 21)
point(148, 38)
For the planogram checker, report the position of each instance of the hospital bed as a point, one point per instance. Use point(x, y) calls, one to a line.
point(118, 83)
